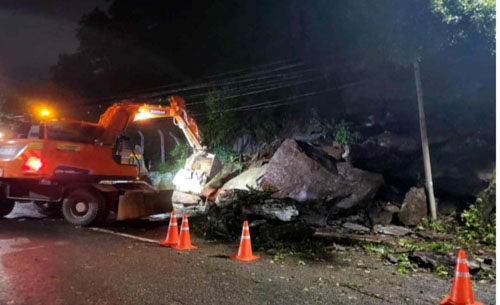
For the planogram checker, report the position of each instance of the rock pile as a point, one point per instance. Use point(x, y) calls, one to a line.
point(303, 187)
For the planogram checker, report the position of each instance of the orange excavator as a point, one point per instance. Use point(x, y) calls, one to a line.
point(83, 168)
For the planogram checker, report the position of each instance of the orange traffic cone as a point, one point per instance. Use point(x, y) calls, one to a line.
point(173, 232)
point(185, 238)
point(245, 251)
point(461, 291)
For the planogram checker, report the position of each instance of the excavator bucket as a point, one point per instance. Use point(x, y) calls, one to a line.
point(142, 203)
point(200, 167)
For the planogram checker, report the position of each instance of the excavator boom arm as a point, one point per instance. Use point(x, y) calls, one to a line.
point(119, 115)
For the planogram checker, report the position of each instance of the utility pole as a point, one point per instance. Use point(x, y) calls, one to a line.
point(425, 141)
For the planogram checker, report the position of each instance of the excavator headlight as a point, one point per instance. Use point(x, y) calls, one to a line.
point(143, 114)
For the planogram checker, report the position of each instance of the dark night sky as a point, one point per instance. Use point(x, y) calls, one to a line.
point(34, 32)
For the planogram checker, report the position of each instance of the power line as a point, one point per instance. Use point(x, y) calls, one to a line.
point(281, 102)
point(263, 90)
point(151, 89)
point(210, 85)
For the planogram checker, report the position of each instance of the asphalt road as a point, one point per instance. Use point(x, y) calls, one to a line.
point(46, 261)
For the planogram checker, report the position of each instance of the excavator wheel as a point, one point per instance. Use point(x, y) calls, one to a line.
point(84, 207)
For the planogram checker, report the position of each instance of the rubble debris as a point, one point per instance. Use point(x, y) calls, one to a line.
point(200, 168)
point(392, 259)
point(259, 208)
point(190, 209)
point(295, 231)
point(335, 150)
point(185, 198)
point(382, 215)
point(313, 213)
point(227, 173)
point(250, 178)
point(391, 230)
point(273, 209)
point(229, 197)
point(414, 207)
point(397, 142)
point(429, 259)
point(302, 172)
point(378, 239)
point(354, 227)
point(432, 235)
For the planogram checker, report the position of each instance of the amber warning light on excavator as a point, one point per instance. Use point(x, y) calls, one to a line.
point(43, 112)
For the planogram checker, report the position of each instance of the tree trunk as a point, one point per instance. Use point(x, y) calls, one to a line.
point(425, 142)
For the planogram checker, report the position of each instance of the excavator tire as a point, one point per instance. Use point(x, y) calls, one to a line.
point(84, 207)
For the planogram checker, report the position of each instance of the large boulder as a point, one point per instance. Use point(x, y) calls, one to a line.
point(250, 178)
point(414, 207)
point(304, 173)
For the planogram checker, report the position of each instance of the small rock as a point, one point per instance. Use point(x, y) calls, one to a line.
point(429, 259)
point(229, 197)
point(474, 266)
point(355, 227)
point(338, 247)
point(335, 150)
point(271, 251)
point(391, 230)
point(381, 215)
point(414, 207)
point(488, 261)
point(391, 208)
point(185, 198)
point(257, 223)
point(391, 258)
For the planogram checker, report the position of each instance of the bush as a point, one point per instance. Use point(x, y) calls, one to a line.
point(344, 134)
point(474, 230)
point(480, 218)
point(177, 159)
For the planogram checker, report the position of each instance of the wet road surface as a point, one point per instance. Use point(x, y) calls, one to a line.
point(46, 261)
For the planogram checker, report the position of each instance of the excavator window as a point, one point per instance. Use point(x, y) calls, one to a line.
point(73, 132)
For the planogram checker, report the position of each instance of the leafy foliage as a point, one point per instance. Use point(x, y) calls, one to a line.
point(178, 156)
point(431, 224)
point(480, 218)
point(474, 230)
point(440, 246)
point(220, 127)
point(468, 17)
point(344, 134)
